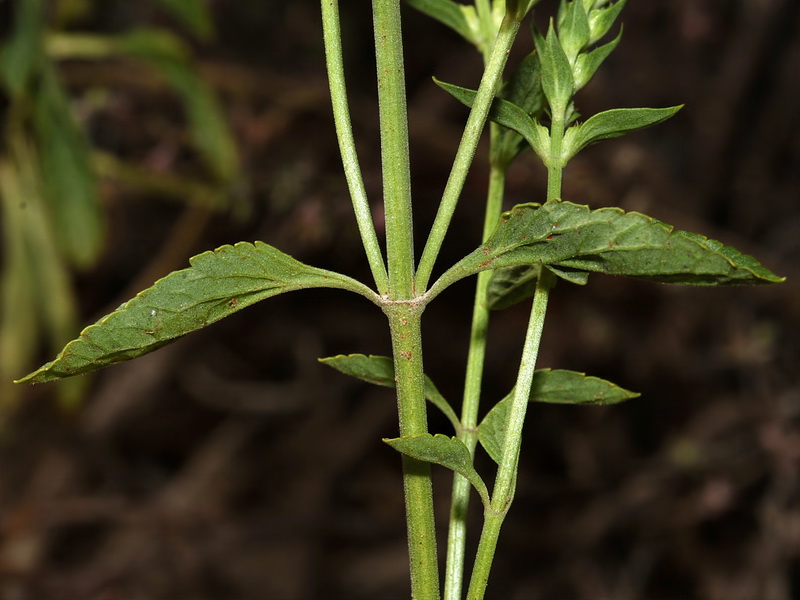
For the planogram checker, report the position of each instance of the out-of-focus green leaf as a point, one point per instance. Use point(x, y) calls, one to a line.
point(68, 178)
point(22, 55)
point(610, 241)
point(217, 284)
point(209, 130)
point(379, 370)
point(19, 322)
point(445, 451)
point(553, 387)
point(192, 13)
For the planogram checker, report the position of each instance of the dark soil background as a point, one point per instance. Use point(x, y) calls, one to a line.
point(232, 466)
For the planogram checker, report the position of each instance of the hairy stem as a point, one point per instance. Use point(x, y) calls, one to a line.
point(492, 76)
point(402, 309)
point(332, 36)
point(505, 483)
point(454, 570)
point(395, 162)
point(405, 326)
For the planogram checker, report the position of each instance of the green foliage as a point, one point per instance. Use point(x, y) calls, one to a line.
point(610, 124)
point(22, 55)
point(447, 12)
point(552, 387)
point(70, 184)
point(53, 218)
point(558, 83)
point(610, 241)
point(531, 245)
point(445, 451)
point(218, 284)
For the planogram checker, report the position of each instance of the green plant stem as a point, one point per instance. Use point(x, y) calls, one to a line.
point(555, 164)
point(405, 326)
point(456, 541)
point(492, 76)
point(332, 35)
point(505, 483)
point(395, 159)
point(401, 307)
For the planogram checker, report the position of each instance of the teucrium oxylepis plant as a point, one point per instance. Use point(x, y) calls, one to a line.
point(522, 253)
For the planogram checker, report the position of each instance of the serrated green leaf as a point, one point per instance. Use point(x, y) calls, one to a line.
point(379, 370)
point(448, 13)
point(552, 387)
point(587, 63)
point(192, 13)
point(613, 123)
point(508, 115)
point(445, 451)
point(217, 284)
point(610, 241)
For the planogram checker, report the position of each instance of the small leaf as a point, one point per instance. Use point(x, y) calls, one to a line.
point(613, 123)
point(445, 451)
point(509, 286)
point(379, 370)
point(573, 28)
point(217, 284)
point(610, 241)
point(508, 115)
point(602, 19)
point(557, 81)
point(587, 63)
point(571, 275)
point(448, 13)
point(552, 387)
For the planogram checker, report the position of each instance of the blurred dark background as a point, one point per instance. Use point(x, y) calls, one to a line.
point(232, 466)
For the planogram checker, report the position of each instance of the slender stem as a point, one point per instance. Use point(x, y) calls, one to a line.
point(405, 325)
point(332, 36)
point(503, 492)
point(456, 543)
point(466, 149)
point(394, 148)
point(555, 164)
point(402, 309)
